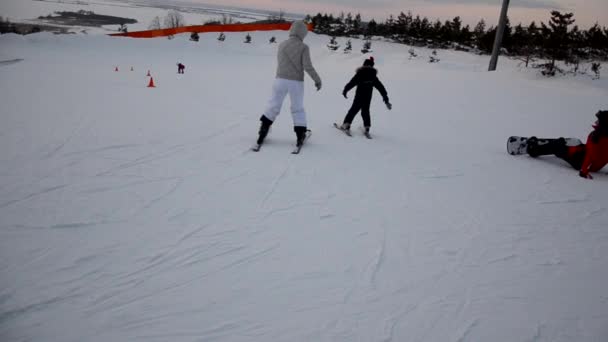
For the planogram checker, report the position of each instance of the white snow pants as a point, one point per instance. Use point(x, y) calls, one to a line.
point(280, 89)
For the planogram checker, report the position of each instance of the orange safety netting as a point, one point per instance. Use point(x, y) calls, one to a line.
point(207, 28)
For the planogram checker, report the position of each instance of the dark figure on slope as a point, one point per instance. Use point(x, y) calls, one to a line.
point(365, 79)
point(180, 68)
point(589, 157)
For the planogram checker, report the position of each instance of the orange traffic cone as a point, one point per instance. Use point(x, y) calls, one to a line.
point(148, 73)
point(116, 69)
point(151, 84)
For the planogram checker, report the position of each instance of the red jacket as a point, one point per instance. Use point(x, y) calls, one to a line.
point(596, 154)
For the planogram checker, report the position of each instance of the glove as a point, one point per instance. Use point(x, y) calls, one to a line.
point(585, 175)
point(318, 85)
point(344, 94)
point(388, 104)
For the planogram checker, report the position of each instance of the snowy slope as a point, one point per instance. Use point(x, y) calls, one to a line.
point(143, 11)
point(137, 214)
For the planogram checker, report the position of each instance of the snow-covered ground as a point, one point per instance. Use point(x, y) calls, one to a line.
point(136, 214)
point(144, 11)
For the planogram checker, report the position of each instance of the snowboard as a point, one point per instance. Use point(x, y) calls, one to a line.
point(518, 145)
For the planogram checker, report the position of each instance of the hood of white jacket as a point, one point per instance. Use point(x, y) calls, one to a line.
point(298, 29)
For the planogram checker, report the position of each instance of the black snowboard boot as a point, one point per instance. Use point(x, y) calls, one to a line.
point(300, 134)
point(264, 128)
point(541, 147)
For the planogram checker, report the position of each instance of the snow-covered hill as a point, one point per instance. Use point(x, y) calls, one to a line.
point(136, 214)
point(144, 11)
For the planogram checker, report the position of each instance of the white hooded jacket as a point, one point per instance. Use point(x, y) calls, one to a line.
point(294, 56)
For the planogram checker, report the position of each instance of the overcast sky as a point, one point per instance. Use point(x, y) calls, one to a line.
point(586, 12)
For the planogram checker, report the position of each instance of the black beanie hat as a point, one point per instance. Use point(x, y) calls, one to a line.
point(369, 62)
point(602, 116)
point(602, 122)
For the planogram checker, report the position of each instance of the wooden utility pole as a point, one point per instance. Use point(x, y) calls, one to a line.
point(500, 30)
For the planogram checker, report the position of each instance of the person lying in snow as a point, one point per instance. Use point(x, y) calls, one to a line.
point(365, 79)
point(589, 157)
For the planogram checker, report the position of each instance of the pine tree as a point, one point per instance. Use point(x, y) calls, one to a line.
point(333, 44)
point(412, 53)
point(372, 28)
point(557, 43)
point(348, 24)
point(357, 24)
point(479, 32)
point(415, 27)
point(436, 30)
point(486, 43)
point(367, 46)
point(595, 67)
point(456, 30)
point(433, 57)
point(595, 39)
point(425, 28)
point(535, 37)
point(403, 26)
point(466, 36)
point(349, 47)
point(507, 40)
point(390, 26)
point(316, 22)
point(340, 25)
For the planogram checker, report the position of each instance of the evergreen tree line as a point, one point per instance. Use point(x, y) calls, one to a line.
point(559, 39)
point(7, 27)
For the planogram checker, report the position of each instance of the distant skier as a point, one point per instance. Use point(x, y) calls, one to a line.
point(180, 68)
point(293, 59)
point(365, 79)
point(590, 157)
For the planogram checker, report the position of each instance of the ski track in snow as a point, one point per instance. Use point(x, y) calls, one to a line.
point(274, 185)
point(138, 298)
point(174, 187)
point(169, 153)
point(377, 263)
point(100, 150)
point(10, 61)
point(566, 201)
point(79, 128)
point(33, 195)
point(464, 335)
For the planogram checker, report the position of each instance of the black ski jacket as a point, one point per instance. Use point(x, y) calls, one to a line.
point(366, 79)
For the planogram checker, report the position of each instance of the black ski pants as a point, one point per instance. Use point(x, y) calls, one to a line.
point(573, 155)
point(360, 103)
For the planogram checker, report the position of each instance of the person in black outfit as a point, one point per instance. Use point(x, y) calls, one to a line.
point(366, 79)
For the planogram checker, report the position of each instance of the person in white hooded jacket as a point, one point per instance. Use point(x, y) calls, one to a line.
point(293, 59)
